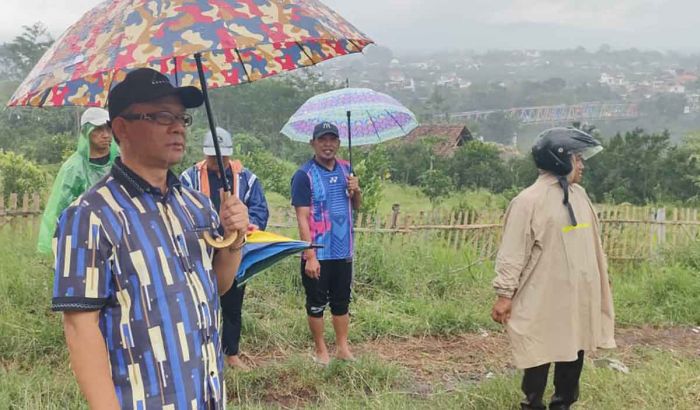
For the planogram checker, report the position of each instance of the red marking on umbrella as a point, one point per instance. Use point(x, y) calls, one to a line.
point(231, 77)
point(58, 95)
point(227, 40)
point(126, 57)
point(295, 14)
point(194, 11)
point(275, 32)
point(160, 32)
point(287, 63)
point(339, 48)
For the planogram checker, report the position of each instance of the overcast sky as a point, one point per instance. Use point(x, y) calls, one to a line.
point(463, 24)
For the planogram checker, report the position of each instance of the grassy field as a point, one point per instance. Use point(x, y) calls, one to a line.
point(412, 200)
point(420, 324)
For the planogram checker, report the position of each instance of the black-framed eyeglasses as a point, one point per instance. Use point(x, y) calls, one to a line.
point(161, 117)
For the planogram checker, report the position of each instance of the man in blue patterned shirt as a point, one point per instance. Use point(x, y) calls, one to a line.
point(136, 282)
point(324, 193)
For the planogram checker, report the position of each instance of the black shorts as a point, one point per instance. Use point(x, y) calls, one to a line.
point(331, 288)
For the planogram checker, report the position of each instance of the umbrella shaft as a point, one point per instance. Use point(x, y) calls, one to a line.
point(349, 140)
point(212, 126)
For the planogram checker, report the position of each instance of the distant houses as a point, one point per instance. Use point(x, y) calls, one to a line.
point(446, 138)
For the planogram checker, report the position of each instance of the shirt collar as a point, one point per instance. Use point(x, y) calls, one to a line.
point(335, 164)
point(135, 185)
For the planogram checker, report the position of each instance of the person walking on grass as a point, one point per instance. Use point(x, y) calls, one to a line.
point(324, 194)
point(206, 178)
point(554, 295)
point(91, 161)
point(137, 284)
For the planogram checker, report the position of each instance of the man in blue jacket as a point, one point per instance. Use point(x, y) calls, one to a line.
point(206, 178)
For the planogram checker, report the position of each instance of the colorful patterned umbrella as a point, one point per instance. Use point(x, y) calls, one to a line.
point(238, 40)
point(205, 43)
point(262, 250)
point(363, 117)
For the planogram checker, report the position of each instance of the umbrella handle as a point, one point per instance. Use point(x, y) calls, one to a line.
point(349, 114)
point(219, 242)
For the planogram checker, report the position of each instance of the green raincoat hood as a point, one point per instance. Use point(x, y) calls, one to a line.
point(77, 175)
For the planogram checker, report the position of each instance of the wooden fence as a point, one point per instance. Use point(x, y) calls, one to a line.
point(30, 206)
point(629, 233)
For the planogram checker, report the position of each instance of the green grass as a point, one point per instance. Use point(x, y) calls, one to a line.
point(408, 286)
point(657, 380)
point(657, 295)
point(413, 201)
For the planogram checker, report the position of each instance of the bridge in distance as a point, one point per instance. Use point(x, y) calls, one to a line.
point(590, 111)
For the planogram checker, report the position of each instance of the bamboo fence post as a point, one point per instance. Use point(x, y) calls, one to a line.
point(460, 235)
point(660, 228)
point(36, 203)
point(25, 205)
point(407, 222)
point(674, 228)
point(13, 202)
point(626, 234)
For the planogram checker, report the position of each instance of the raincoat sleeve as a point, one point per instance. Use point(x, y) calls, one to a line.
point(256, 203)
point(67, 186)
point(516, 247)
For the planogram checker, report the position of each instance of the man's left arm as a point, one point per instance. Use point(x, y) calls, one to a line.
point(355, 191)
point(234, 219)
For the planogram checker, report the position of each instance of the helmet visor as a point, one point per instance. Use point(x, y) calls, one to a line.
point(589, 152)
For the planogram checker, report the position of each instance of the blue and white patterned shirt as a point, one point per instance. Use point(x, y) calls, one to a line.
point(138, 257)
point(325, 192)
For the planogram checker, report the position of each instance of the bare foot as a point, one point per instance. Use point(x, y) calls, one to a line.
point(344, 354)
point(236, 363)
point(321, 357)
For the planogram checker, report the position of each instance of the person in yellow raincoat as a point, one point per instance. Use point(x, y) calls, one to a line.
point(554, 297)
point(91, 161)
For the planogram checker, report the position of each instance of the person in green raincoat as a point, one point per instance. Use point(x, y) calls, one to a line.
point(91, 161)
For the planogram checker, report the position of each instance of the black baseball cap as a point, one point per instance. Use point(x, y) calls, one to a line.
point(325, 128)
point(144, 85)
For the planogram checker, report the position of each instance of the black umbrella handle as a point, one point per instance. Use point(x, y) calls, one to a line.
point(217, 243)
point(212, 126)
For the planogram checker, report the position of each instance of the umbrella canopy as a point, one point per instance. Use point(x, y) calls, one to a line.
point(262, 250)
point(375, 117)
point(238, 40)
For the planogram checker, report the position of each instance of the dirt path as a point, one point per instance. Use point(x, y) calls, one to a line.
point(478, 355)
point(475, 356)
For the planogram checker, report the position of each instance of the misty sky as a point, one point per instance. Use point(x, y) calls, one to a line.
point(427, 25)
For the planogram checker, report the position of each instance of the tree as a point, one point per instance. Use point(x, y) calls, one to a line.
point(478, 165)
point(435, 185)
point(631, 168)
point(21, 54)
point(263, 107)
point(407, 162)
point(19, 175)
point(372, 170)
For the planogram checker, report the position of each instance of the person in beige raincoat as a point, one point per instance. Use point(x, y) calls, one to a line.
point(554, 297)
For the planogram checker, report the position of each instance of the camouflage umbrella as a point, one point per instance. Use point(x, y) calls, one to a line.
point(205, 43)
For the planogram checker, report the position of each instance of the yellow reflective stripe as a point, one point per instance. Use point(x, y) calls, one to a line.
point(570, 228)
